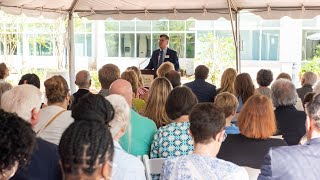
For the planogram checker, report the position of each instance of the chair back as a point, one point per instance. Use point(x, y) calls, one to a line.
point(153, 166)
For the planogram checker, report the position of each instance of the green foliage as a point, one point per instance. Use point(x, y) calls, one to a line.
point(312, 65)
point(95, 80)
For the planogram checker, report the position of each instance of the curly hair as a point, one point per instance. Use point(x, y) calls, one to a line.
point(32, 79)
point(264, 77)
point(17, 140)
point(84, 146)
point(56, 89)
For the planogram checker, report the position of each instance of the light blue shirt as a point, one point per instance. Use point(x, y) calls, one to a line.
point(233, 129)
point(126, 166)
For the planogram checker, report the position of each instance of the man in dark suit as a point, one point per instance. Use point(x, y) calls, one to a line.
point(204, 91)
point(83, 81)
point(300, 161)
point(163, 54)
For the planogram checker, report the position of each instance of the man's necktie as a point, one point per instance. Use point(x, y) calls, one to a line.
point(160, 61)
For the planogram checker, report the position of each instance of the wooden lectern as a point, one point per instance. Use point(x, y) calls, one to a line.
point(148, 76)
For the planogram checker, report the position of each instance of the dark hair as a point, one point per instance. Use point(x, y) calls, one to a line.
point(264, 77)
point(180, 102)
point(17, 140)
point(85, 145)
point(32, 79)
point(201, 72)
point(174, 77)
point(108, 74)
point(206, 121)
point(165, 36)
point(244, 86)
point(93, 107)
point(313, 109)
point(307, 98)
point(3, 69)
point(56, 89)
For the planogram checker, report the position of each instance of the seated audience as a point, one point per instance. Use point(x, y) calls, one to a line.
point(300, 161)
point(227, 81)
point(142, 91)
point(107, 74)
point(125, 166)
point(207, 129)
point(257, 124)
point(86, 151)
point(164, 68)
point(138, 140)
point(316, 87)
point(308, 79)
point(32, 79)
point(155, 108)
point(174, 139)
point(307, 98)
point(25, 100)
point(83, 81)
point(264, 79)
point(284, 76)
point(204, 91)
point(138, 104)
point(4, 73)
point(228, 103)
point(17, 144)
point(290, 121)
point(54, 118)
point(244, 88)
point(174, 77)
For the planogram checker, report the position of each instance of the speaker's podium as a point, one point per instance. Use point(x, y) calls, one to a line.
point(148, 76)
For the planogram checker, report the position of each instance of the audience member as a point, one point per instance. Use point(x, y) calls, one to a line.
point(125, 166)
point(107, 74)
point(316, 87)
point(300, 161)
point(174, 139)
point(284, 76)
point(307, 98)
point(257, 124)
point(17, 144)
point(4, 71)
point(228, 103)
point(244, 88)
point(54, 118)
point(264, 79)
point(227, 81)
point(204, 91)
point(174, 77)
point(207, 129)
point(83, 81)
point(32, 79)
point(138, 104)
point(142, 91)
point(164, 68)
point(86, 151)
point(290, 121)
point(138, 141)
point(155, 109)
point(308, 79)
point(4, 86)
point(25, 100)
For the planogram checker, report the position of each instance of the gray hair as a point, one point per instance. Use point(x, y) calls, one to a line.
point(313, 110)
point(316, 87)
point(83, 78)
point(122, 114)
point(283, 93)
point(309, 78)
point(22, 100)
point(4, 86)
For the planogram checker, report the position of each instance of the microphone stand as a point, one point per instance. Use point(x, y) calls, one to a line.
point(143, 61)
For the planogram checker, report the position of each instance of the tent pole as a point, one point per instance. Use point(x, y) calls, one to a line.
point(235, 33)
point(238, 47)
point(71, 53)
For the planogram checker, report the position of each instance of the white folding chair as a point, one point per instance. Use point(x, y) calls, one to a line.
point(140, 157)
point(153, 166)
point(253, 173)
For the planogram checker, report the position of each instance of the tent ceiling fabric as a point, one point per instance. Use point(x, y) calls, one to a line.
point(157, 9)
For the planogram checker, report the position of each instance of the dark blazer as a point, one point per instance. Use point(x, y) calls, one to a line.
point(290, 123)
point(303, 91)
point(77, 95)
point(172, 57)
point(293, 162)
point(204, 91)
point(44, 163)
point(245, 151)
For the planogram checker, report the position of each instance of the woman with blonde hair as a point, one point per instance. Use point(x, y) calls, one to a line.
point(257, 124)
point(142, 91)
point(227, 81)
point(155, 108)
point(164, 68)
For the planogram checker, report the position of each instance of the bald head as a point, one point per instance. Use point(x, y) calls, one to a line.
point(122, 88)
point(83, 79)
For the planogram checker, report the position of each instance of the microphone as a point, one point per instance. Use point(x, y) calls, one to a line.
point(143, 61)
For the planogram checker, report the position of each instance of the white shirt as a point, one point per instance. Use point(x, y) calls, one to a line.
point(126, 166)
point(54, 131)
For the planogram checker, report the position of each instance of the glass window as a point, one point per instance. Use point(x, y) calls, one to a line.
point(190, 25)
point(112, 45)
point(127, 26)
point(80, 44)
point(127, 45)
point(89, 44)
point(143, 25)
point(155, 38)
point(143, 45)
point(160, 25)
point(250, 44)
point(40, 45)
point(111, 25)
point(190, 45)
point(176, 26)
point(177, 43)
point(270, 45)
point(224, 34)
point(88, 27)
point(271, 23)
point(204, 25)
